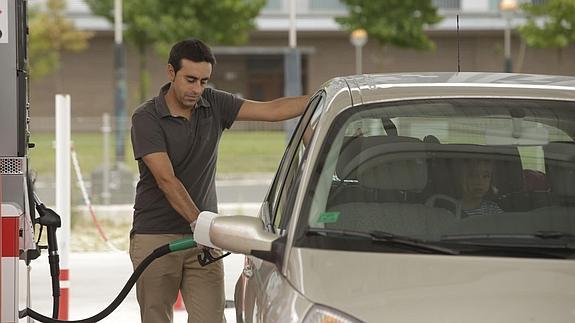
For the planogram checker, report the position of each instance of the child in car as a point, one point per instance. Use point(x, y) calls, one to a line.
point(475, 183)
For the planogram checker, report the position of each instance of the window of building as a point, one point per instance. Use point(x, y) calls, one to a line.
point(494, 5)
point(538, 2)
point(325, 5)
point(273, 5)
point(447, 4)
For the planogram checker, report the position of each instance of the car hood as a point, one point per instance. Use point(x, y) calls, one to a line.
point(382, 287)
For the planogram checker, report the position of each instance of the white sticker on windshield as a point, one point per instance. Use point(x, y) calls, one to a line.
point(3, 21)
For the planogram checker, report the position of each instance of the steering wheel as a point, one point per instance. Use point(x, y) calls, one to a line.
point(432, 200)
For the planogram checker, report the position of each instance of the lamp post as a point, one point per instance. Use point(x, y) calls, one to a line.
point(508, 8)
point(358, 39)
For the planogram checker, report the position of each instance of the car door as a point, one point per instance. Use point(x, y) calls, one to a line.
point(253, 293)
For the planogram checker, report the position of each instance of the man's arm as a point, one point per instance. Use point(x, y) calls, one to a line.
point(177, 195)
point(275, 110)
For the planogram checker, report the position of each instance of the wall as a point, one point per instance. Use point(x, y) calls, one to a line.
point(89, 78)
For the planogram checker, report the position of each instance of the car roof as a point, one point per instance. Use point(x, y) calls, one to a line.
point(472, 78)
point(374, 88)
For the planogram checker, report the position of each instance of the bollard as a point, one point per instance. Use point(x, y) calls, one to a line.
point(63, 192)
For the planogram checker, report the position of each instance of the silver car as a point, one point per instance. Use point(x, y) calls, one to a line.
point(431, 197)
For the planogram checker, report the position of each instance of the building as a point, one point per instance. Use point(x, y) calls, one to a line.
point(256, 69)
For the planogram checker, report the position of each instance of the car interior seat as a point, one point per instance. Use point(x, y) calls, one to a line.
point(515, 187)
point(348, 187)
point(560, 170)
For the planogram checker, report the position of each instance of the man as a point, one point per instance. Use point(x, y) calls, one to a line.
point(175, 139)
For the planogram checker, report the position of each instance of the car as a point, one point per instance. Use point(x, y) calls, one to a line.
point(420, 197)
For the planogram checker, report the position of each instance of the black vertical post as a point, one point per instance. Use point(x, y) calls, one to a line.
point(508, 67)
point(120, 100)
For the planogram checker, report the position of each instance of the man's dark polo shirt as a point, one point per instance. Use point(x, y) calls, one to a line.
point(192, 148)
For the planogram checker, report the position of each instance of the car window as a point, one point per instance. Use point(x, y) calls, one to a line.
point(293, 176)
point(442, 170)
point(291, 161)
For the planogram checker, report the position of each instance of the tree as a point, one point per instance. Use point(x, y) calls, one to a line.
point(549, 25)
point(392, 22)
point(160, 23)
point(51, 33)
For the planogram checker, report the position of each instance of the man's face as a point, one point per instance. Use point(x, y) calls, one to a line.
point(189, 82)
point(477, 179)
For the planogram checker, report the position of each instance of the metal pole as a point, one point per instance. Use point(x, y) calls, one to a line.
point(358, 39)
point(292, 25)
point(358, 60)
point(120, 75)
point(63, 152)
point(508, 63)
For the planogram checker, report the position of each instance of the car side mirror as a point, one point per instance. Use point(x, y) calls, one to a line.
point(238, 234)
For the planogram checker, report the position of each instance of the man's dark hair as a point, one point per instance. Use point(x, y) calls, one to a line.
point(192, 49)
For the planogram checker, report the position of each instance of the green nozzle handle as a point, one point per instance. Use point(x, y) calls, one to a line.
point(182, 244)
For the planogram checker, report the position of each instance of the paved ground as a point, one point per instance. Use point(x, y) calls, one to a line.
point(95, 280)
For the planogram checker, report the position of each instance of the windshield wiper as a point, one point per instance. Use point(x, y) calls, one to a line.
point(515, 239)
point(381, 236)
point(552, 234)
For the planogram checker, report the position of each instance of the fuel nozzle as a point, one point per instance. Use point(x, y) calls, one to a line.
point(51, 220)
point(202, 236)
point(206, 258)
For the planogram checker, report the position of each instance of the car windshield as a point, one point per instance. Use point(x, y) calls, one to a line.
point(460, 173)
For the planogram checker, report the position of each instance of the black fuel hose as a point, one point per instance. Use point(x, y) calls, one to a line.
point(54, 260)
point(177, 245)
point(51, 220)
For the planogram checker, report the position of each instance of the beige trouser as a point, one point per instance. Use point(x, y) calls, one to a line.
point(157, 289)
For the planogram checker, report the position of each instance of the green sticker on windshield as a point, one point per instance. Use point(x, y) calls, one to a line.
point(328, 217)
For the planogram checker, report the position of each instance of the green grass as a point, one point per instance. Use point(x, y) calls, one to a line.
point(239, 152)
point(249, 152)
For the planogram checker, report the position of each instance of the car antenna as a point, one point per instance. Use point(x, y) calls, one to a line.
point(458, 56)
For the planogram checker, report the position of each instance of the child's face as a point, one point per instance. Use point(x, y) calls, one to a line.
point(476, 179)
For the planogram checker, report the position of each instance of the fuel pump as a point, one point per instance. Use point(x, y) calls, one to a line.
point(16, 211)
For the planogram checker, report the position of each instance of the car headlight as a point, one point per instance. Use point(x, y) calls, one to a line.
point(324, 314)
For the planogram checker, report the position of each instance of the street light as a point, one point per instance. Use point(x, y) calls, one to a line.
point(358, 39)
point(508, 8)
